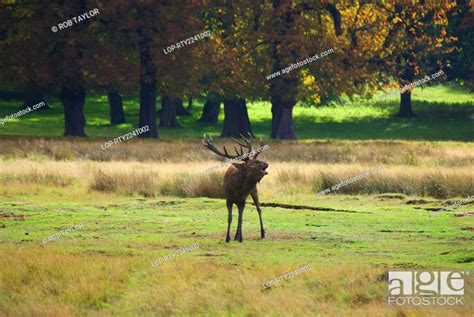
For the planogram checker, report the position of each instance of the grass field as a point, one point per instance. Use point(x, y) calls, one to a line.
point(104, 268)
point(134, 212)
point(145, 199)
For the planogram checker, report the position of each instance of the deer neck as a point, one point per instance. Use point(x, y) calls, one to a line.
point(247, 180)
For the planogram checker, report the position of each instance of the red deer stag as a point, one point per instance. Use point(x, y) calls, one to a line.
point(240, 180)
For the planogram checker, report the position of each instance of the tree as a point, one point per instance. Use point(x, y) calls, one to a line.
point(291, 32)
point(236, 118)
point(180, 69)
point(117, 116)
point(148, 80)
point(67, 61)
point(180, 110)
point(168, 112)
point(211, 110)
point(190, 103)
point(59, 58)
point(420, 29)
point(461, 27)
point(283, 90)
point(367, 39)
point(144, 30)
point(232, 74)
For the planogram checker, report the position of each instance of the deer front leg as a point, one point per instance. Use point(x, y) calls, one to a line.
point(229, 220)
point(254, 195)
point(238, 234)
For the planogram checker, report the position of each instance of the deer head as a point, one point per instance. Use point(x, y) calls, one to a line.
point(247, 163)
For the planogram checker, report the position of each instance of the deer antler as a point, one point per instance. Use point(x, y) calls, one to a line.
point(247, 145)
point(262, 144)
point(208, 142)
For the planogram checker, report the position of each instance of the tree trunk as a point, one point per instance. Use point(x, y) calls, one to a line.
point(210, 113)
point(180, 110)
point(282, 120)
point(168, 112)
point(283, 99)
point(408, 77)
point(147, 115)
point(117, 116)
point(72, 92)
point(405, 105)
point(236, 119)
point(190, 104)
point(148, 82)
point(283, 89)
point(73, 99)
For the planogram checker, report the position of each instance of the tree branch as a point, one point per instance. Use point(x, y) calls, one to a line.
point(336, 16)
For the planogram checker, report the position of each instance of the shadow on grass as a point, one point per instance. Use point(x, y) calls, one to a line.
point(433, 122)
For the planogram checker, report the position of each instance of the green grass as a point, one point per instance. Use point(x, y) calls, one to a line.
point(121, 236)
point(443, 113)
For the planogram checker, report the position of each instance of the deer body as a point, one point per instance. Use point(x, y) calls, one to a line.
point(237, 186)
point(240, 181)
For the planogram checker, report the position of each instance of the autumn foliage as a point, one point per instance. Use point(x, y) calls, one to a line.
point(376, 46)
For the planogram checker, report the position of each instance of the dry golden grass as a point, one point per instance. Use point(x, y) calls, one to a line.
point(30, 274)
point(125, 286)
point(430, 154)
point(434, 182)
point(191, 180)
point(150, 168)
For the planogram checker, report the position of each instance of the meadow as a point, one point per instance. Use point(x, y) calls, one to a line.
point(439, 109)
point(144, 199)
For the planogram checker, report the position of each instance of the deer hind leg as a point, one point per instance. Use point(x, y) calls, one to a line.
point(238, 234)
point(229, 220)
point(254, 195)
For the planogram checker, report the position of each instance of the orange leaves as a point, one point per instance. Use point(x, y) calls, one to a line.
point(451, 5)
point(417, 70)
point(440, 18)
point(396, 20)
